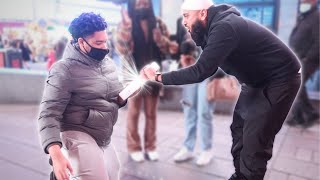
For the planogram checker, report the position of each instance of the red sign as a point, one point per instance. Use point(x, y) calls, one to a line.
point(15, 63)
point(1, 60)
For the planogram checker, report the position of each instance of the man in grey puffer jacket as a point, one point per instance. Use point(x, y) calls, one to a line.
point(80, 104)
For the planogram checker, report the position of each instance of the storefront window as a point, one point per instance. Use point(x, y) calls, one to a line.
point(261, 11)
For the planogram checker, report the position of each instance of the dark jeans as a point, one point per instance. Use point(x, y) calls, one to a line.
point(258, 116)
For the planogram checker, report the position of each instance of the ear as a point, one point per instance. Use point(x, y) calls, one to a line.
point(203, 14)
point(80, 40)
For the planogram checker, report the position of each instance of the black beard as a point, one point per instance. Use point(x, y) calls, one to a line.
point(197, 33)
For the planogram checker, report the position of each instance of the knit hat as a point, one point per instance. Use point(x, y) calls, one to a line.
point(196, 4)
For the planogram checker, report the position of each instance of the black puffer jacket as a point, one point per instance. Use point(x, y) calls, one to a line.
point(80, 94)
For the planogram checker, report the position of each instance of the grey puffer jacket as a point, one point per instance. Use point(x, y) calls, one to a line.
point(80, 94)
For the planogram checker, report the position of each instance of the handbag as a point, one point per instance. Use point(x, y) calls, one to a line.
point(226, 88)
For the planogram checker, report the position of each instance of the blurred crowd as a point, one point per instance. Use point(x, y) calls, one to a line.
point(31, 51)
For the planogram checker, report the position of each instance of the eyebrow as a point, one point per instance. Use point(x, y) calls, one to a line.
point(101, 41)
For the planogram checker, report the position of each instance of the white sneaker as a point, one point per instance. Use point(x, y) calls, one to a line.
point(137, 156)
point(153, 155)
point(183, 155)
point(204, 158)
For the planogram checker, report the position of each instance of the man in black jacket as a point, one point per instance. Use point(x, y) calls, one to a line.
point(267, 69)
point(304, 41)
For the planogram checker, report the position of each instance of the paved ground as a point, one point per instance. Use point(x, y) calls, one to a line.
point(296, 151)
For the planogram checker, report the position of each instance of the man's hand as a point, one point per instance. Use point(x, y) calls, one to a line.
point(60, 164)
point(148, 73)
point(143, 75)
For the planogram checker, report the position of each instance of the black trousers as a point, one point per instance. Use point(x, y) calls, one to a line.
point(303, 111)
point(258, 116)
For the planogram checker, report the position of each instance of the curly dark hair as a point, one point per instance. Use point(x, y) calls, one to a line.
point(86, 24)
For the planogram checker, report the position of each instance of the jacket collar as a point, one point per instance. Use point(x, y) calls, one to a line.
point(216, 14)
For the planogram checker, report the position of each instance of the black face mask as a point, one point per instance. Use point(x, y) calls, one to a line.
point(143, 13)
point(198, 32)
point(96, 53)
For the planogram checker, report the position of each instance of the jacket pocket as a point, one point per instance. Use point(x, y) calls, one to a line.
point(99, 120)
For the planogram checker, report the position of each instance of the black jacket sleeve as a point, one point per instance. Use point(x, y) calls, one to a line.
point(222, 40)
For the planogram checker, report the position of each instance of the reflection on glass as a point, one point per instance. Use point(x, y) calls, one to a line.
point(260, 11)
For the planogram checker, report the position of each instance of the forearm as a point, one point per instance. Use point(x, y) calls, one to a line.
point(190, 75)
point(221, 42)
point(54, 150)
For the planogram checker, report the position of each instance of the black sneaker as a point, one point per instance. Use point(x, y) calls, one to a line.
point(310, 123)
point(237, 177)
point(292, 122)
point(295, 121)
point(314, 117)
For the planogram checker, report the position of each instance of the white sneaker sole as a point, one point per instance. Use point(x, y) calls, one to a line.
point(205, 164)
point(136, 160)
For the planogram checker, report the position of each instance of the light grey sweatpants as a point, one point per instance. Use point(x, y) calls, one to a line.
point(88, 160)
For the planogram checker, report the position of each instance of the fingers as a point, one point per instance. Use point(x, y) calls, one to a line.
point(146, 71)
point(62, 167)
point(143, 74)
point(70, 168)
point(62, 174)
point(150, 73)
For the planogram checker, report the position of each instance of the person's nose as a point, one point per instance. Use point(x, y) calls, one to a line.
point(184, 22)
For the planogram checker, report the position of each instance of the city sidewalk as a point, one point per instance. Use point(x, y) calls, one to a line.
point(295, 156)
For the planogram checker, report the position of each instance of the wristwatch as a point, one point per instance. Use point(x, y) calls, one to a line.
point(157, 76)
